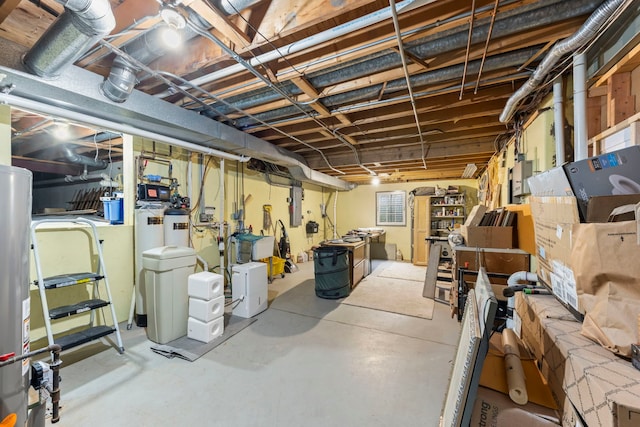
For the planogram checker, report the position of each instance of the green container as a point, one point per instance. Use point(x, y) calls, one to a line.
point(331, 266)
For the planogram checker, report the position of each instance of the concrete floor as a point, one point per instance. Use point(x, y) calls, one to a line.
point(307, 361)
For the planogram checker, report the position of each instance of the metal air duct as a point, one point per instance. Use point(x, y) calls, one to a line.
point(232, 7)
point(571, 44)
point(122, 77)
point(79, 27)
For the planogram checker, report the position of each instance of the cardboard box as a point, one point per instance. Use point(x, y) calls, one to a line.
point(603, 388)
point(489, 237)
point(555, 221)
point(495, 409)
point(524, 229)
point(553, 182)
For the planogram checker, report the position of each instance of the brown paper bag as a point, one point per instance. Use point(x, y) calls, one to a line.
point(605, 259)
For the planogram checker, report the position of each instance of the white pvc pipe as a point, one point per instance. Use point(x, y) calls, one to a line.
point(558, 118)
point(580, 106)
point(20, 102)
point(335, 215)
point(223, 267)
point(521, 276)
point(314, 40)
point(518, 276)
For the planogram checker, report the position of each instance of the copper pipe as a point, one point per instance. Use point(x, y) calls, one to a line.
point(466, 56)
point(396, 25)
point(486, 44)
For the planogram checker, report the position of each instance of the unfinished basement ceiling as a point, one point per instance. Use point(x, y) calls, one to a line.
point(322, 79)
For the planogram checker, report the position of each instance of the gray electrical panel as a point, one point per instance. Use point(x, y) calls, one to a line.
point(520, 172)
point(295, 206)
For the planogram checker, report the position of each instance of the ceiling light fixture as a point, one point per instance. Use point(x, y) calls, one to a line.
point(469, 170)
point(61, 130)
point(171, 34)
point(375, 180)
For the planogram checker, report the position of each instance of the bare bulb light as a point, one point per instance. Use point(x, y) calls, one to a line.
point(171, 37)
point(375, 180)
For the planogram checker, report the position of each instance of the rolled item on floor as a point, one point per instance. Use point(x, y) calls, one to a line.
point(515, 374)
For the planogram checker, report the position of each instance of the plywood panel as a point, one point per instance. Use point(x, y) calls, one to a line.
point(421, 229)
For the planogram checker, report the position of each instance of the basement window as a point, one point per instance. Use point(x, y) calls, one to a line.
point(391, 208)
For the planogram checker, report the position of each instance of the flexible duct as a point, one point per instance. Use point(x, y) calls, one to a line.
point(79, 27)
point(76, 158)
point(570, 44)
point(229, 7)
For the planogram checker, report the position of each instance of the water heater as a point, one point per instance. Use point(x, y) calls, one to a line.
point(15, 220)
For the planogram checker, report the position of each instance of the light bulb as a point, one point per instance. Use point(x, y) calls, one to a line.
point(171, 37)
point(375, 180)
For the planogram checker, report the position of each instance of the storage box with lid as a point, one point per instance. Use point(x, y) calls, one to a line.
point(167, 269)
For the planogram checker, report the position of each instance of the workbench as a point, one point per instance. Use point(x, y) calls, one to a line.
point(356, 259)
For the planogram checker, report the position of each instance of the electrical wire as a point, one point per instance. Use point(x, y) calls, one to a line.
point(204, 33)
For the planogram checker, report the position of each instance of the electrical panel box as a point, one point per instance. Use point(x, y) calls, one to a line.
point(312, 227)
point(295, 206)
point(520, 172)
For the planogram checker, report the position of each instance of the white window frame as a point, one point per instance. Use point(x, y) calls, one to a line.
point(399, 200)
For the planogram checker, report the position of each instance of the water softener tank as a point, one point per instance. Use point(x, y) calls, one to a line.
point(15, 220)
point(149, 234)
point(176, 227)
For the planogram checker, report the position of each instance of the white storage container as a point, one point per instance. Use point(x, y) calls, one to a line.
point(167, 271)
point(205, 331)
point(206, 310)
point(249, 289)
point(205, 285)
point(262, 248)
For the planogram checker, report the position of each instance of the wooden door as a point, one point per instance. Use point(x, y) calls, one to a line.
point(421, 229)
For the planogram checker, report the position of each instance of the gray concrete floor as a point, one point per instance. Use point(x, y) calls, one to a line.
point(307, 361)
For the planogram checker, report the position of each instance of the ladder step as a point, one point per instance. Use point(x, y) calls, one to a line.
point(85, 336)
point(69, 280)
point(77, 308)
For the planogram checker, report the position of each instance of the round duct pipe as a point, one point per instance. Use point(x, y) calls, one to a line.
point(77, 29)
point(122, 77)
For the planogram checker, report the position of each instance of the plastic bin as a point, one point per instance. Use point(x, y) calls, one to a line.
point(278, 266)
point(114, 211)
point(331, 268)
point(167, 271)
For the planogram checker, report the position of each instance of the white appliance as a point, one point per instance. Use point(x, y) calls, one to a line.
point(249, 289)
